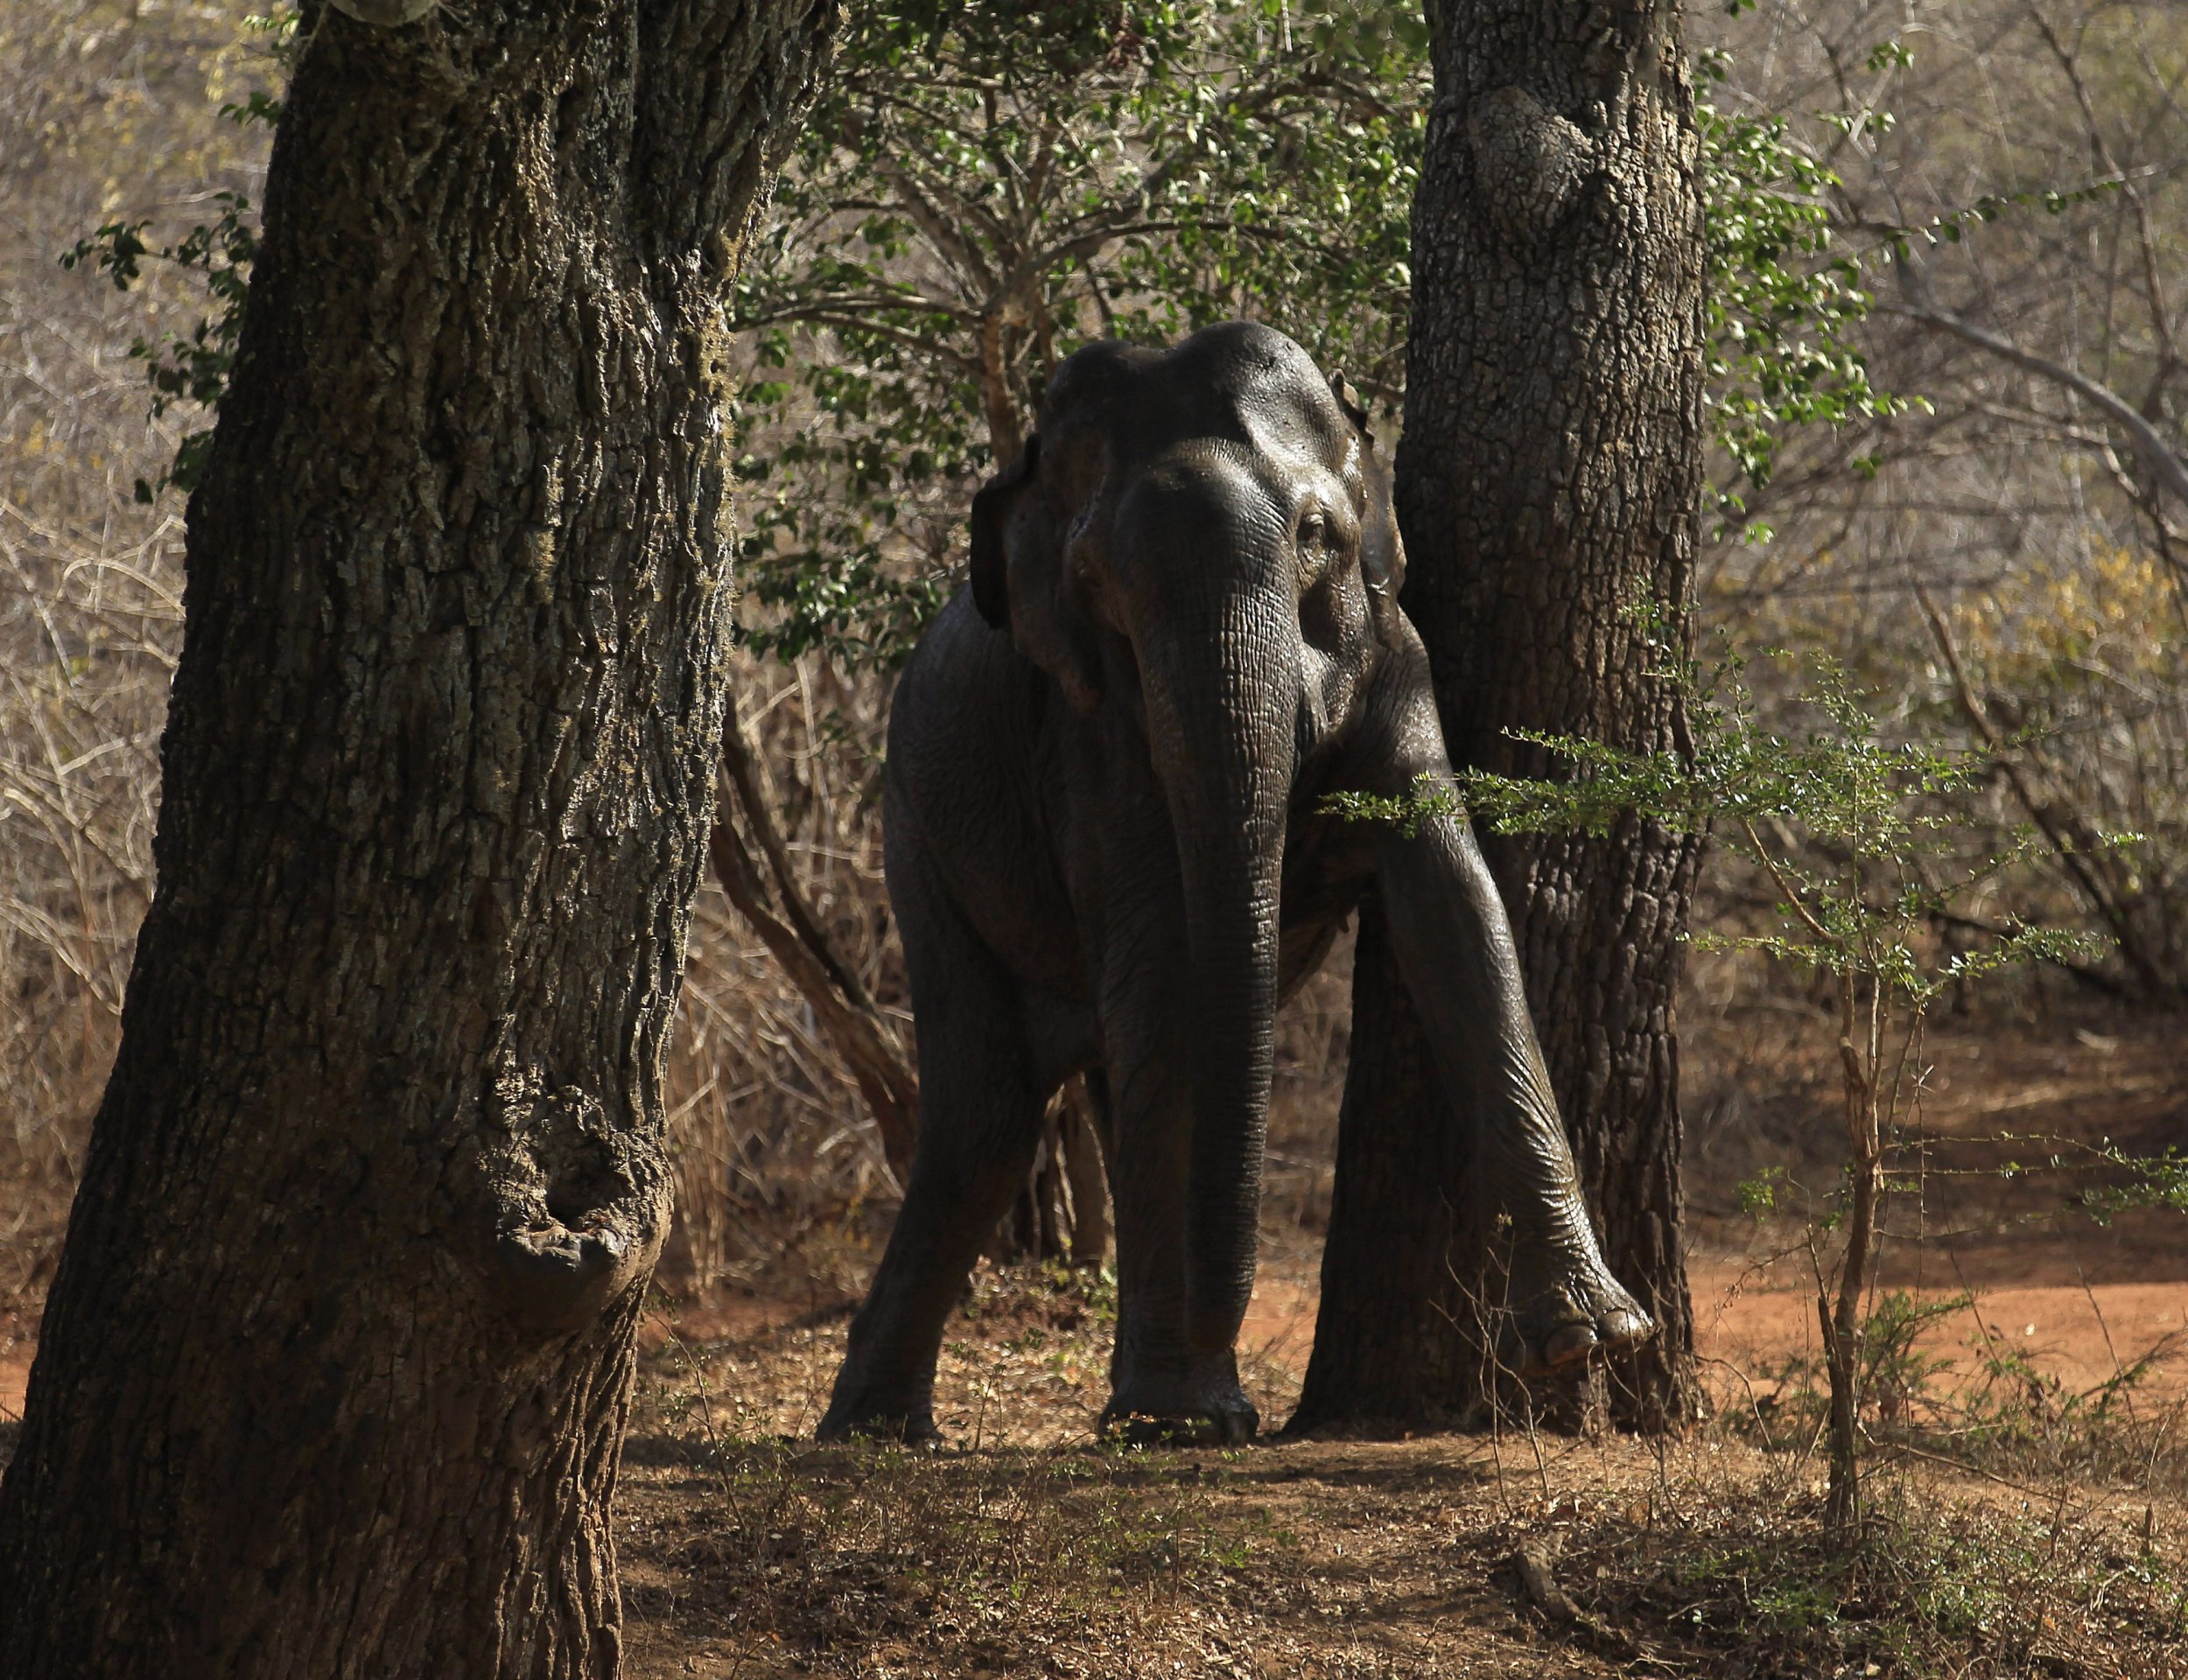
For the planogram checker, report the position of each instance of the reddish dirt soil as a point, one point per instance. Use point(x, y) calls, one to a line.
point(1024, 1550)
point(2082, 1302)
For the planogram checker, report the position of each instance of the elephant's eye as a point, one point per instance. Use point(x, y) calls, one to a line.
point(1314, 546)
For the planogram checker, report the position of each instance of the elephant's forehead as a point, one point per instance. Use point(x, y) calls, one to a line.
point(1240, 384)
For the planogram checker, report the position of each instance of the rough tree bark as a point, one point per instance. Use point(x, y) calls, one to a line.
point(1548, 480)
point(333, 1376)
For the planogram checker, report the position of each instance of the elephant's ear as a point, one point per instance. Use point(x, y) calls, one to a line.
point(1348, 399)
point(1382, 551)
point(991, 510)
point(1020, 580)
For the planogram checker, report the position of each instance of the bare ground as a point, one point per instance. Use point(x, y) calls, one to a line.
point(2036, 1529)
point(2017, 1531)
point(1024, 1548)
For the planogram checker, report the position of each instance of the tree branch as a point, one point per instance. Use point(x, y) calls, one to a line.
point(2159, 458)
point(937, 227)
point(849, 1018)
point(821, 316)
point(2067, 833)
point(795, 308)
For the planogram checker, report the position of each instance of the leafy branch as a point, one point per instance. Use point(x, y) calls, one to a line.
point(1845, 822)
point(195, 368)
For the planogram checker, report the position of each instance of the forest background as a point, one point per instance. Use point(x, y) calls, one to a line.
point(1947, 497)
point(1945, 248)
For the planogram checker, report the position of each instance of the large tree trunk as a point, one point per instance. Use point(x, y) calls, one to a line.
point(333, 1376)
point(1548, 480)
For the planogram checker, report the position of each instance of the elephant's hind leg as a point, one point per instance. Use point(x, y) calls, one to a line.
point(979, 1126)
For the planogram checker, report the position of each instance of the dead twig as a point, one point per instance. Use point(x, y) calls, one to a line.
point(842, 1009)
point(1535, 1562)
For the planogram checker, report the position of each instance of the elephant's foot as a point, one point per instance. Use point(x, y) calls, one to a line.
point(1206, 1408)
point(1569, 1306)
point(872, 1417)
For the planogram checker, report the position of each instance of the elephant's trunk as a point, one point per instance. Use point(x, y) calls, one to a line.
point(1221, 695)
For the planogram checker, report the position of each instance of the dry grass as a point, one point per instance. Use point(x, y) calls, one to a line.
point(108, 111)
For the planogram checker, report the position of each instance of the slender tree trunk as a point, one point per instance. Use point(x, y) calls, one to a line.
point(1062, 1212)
point(1087, 1176)
point(1548, 482)
point(333, 1376)
point(1861, 1055)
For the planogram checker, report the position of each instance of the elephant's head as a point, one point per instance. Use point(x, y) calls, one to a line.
point(1161, 484)
point(1199, 543)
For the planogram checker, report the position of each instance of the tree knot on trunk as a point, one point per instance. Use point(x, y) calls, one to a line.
point(578, 1208)
point(1530, 162)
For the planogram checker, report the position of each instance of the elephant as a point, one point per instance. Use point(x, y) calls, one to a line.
point(1109, 852)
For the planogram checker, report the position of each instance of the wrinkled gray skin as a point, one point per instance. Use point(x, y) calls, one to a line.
point(1105, 855)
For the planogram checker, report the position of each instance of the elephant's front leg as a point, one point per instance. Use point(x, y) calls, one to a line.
point(1173, 1377)
point(1455, 946)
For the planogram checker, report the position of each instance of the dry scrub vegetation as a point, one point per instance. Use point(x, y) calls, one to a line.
point(99, 113)
point(2031, 1524)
